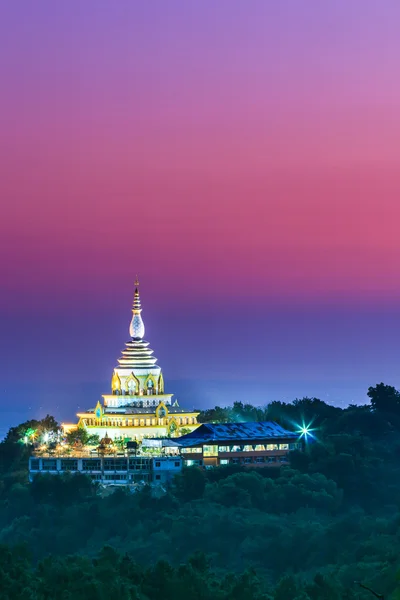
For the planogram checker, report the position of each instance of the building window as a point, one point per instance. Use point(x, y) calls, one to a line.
point(49, 465)
point(177, 463)
point(259, 459)
point(69, 465)
point(283, 446)
point(248, 448)
point(192, 450)
point(91, 465)
point(139, 463)
point(158, 463)
point(272, 446)
point(248, 460)
point(158, 476)
point(224, 461)
point(115, 464)
point(210, 450)
point(260, 447)
point(35, 464)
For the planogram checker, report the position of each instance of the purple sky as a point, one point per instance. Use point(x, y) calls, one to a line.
point(241, 158)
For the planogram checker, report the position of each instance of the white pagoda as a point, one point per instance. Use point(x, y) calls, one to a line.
point(138, 405)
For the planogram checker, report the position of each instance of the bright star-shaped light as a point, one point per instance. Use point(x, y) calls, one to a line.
point(305, 431)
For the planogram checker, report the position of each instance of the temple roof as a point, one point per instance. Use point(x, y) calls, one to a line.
point(211, 432)
point(136, 355)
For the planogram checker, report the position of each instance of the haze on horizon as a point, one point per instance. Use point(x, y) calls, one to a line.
point(243, 162)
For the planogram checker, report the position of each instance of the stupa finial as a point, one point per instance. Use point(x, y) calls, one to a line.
point(136, 328)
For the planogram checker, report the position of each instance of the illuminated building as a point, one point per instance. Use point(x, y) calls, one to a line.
point(121, 469)
point(259, 444)
point(138, 405)
point(156, 460)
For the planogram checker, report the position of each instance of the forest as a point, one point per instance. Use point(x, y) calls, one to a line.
point(327, 527)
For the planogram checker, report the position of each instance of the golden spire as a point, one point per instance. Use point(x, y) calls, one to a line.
point(136, 282)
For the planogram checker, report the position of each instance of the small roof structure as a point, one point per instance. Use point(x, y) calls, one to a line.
point(235, 432)
point(106, 441)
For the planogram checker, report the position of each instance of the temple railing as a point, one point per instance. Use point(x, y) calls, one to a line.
point(110, 454)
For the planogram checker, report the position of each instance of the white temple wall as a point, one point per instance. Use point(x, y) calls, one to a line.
point(119, 401)
point(128, 432)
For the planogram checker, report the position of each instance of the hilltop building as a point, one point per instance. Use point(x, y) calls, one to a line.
point(258, 444)
point(252, 445)
point(118, 469)
point(138, 405)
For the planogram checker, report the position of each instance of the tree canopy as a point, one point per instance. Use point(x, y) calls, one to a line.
point(324, 528)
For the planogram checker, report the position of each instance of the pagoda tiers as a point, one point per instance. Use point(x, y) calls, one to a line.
point(138, 405)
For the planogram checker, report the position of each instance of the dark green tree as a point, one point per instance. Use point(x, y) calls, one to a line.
point(384, 398)
point(190, 484)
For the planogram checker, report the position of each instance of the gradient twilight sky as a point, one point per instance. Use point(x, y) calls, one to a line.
point(241, 157)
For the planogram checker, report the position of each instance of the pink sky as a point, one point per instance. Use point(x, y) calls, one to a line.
point(217, 149)
point(219, 141)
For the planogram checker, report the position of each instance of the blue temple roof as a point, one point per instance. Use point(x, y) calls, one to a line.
point(210, 432)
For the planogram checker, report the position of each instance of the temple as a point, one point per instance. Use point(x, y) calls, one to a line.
point(137, 406)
